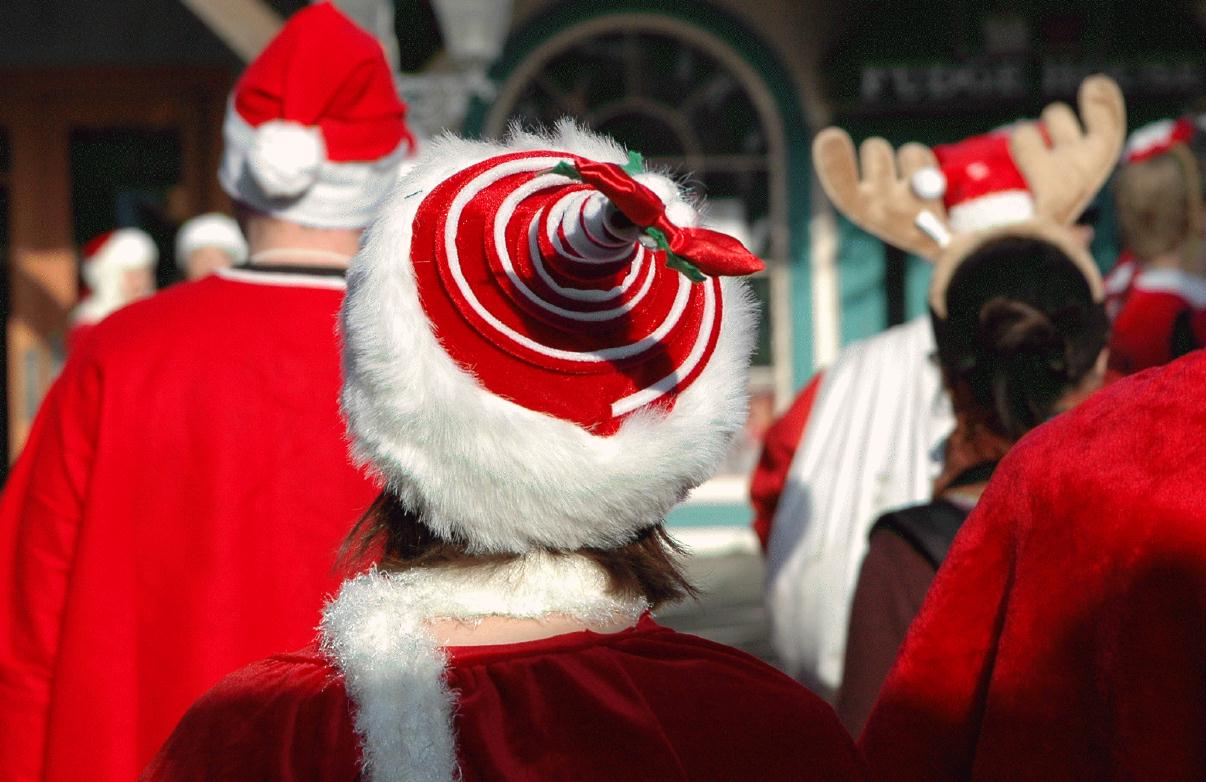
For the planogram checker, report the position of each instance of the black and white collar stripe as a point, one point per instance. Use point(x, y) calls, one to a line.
point(286, 275)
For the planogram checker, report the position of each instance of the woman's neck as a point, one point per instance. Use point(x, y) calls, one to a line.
point(493, 630)
point(1167, 261)
point(299, 256)
point(965, 495)
point(275, 241)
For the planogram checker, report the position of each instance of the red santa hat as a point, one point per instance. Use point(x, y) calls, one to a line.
point(978, 182)
point(1156, 138)
point(539, 350)
point(108, 256)
point(315, 131)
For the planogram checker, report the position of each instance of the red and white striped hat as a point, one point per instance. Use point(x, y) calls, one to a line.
point(539, 349)
point(315, 131)
point(1156, 138)
point(979, 183)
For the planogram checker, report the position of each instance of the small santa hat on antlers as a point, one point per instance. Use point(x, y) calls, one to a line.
point(978, 182)
point(1030, 180)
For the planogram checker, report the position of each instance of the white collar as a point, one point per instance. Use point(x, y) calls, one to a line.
point(282, 278)
point(375, 632)
point(1190, 287)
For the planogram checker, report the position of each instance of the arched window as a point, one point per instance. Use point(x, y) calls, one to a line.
point(689, 103)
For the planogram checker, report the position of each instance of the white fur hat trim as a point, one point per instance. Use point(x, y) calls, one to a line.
point(339, 195)
point(376, 633)
point(482, 469)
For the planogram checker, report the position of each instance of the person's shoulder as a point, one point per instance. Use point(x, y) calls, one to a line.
point(217, 311)
point(297, 672)
point(275, 686)
point(285, 711)
point(733, 671)
point(1139, 442)
point(157, 318)
point(768, 707)
point(1142, 304)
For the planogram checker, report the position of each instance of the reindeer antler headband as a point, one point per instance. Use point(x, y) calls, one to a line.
point(898, 197)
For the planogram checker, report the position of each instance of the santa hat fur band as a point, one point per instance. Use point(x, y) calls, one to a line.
point(315, 131)
point(521, 365)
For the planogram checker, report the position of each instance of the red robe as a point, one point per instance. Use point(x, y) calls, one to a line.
point(1064, 638)
point(174, 516)
point(643, 704)
point(1160, 302)
point(778, 449)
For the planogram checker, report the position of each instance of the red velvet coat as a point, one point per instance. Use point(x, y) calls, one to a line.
point(174, 516)
point(644, 704)
point(1065, 636)
point(1144, 331)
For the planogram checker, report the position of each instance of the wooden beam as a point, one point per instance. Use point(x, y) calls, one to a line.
point(42, 274)
point(246, 26)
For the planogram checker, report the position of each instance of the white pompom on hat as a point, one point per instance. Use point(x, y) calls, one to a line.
point(286, 158)
point(538, 352)
point(210, 230)
point(315, 131)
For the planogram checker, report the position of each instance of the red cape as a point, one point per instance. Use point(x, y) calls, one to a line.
point(1065, 636)
point(643, 704)
point(778, 449)
point(174, 516)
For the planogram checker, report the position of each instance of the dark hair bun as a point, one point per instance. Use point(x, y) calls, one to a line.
point(1013, 330)
point(1021, 360)
point(1022, 329)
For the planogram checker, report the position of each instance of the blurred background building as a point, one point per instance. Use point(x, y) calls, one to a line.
point(111, 113)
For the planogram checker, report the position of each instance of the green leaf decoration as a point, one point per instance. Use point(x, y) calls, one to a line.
point(635, 164)
point(656, 234)
point(673, 261)
point(565, 169)
point(685, 267)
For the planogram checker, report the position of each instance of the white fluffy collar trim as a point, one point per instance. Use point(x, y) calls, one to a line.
point(376, 632)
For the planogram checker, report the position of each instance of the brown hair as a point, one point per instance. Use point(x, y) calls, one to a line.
point(1021, 330)
point(1159, 202)
point(395, 537)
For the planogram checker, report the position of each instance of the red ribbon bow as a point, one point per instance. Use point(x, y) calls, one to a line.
point(711, 252)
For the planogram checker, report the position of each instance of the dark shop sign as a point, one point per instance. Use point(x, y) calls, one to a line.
point(897, 86)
